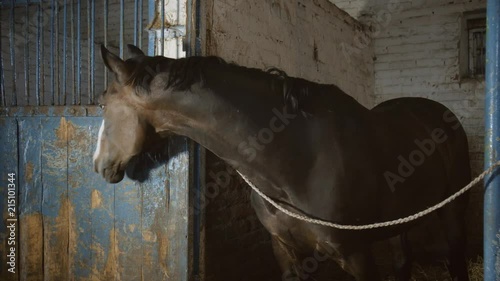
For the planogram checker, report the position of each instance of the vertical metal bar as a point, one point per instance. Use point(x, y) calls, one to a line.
point(73, 53)
point(492, 145)
point(197, 215)
point(52, 53)
point(122, 22)
point(197, 43)
point(92, 55)
point(78, 52)
point(42, 52)
point(27, 56)
point(105, 40)
point(56, 53)
point(65, 53)
point(152, 34)
point(179, 38)
point(38, 59)
point(193, 27)
point(2, 78)
point(13, 52)
point(136, 18)
point(140, 25)
point(89, 51)
point(162, 27)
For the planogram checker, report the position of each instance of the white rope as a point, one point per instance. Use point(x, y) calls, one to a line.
point(373, 225)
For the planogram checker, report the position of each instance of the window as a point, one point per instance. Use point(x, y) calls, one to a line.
point(473, 45)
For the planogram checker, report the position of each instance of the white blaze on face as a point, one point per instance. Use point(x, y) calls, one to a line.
point(98, 149)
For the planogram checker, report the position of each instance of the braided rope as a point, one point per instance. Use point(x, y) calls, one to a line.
point(380, 224)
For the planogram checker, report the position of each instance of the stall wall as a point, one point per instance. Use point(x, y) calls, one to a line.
point(307, 39)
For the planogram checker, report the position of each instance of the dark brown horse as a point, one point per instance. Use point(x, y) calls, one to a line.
point(311, 147)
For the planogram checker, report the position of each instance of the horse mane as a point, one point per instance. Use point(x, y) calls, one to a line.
point(184, 72)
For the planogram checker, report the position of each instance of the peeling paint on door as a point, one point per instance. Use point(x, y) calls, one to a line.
point(75, 226)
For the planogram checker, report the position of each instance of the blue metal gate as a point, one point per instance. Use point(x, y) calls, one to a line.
point(70, 223)
point(61, 221)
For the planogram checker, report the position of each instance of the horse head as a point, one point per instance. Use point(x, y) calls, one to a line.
point(125, 131)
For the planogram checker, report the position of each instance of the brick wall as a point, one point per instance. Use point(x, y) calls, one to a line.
point(306, 39)
point(416, 45)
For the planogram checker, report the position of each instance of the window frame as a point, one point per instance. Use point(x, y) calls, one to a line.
point(468, 18)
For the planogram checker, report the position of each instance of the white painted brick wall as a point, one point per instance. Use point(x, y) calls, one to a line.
point(284, 33)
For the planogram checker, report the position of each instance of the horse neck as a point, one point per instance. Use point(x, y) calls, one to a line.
point(231, 110)
point(223, 118)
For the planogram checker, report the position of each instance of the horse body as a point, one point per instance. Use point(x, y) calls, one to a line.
point(314, 149)
point(346, 183)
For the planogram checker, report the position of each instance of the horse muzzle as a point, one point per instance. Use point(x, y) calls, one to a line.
point(110, 173)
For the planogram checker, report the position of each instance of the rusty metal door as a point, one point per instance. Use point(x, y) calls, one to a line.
point(69, 224)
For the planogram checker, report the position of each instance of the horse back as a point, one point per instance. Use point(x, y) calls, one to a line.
point(422, 118)
point(424, 152)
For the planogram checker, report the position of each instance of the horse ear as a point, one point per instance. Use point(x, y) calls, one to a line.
point(114, 64)
point(134, 51)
